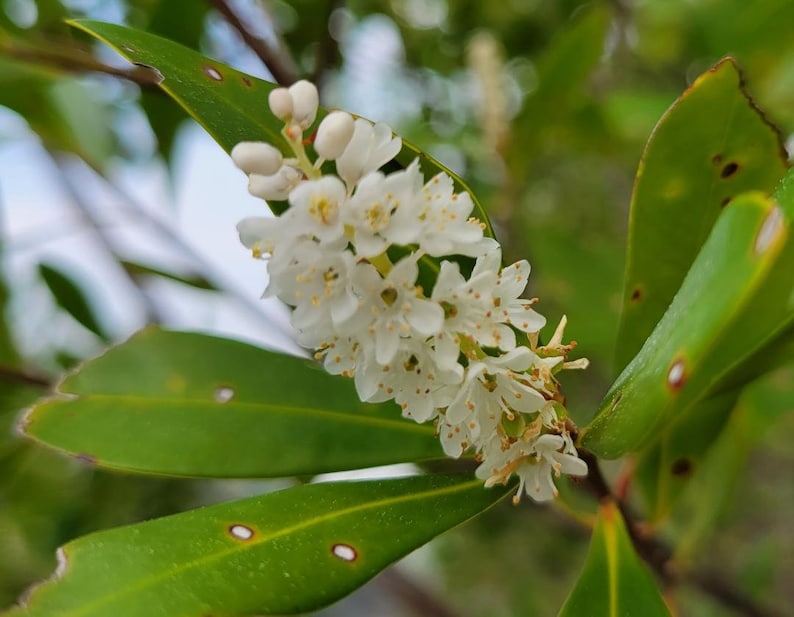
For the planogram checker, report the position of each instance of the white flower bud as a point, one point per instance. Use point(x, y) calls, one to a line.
point(305, 101)
point(280, 101)
point(256, 157)
point(276, 187)
point(333, 135)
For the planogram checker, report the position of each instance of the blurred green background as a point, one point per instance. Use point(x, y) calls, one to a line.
point(544, 107)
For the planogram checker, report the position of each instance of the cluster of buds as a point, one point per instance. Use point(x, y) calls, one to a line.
point(461, 348)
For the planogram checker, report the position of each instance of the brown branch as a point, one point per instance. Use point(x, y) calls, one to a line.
point(277, 60)
point(658, 555)
point(71, 59)
point(8, 373)
point(150, 311)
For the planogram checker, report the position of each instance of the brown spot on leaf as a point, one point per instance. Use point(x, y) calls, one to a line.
point(681, 467)
point(247, 82)
point(716, 159)
point(676, 375)
point(729, 170)
point(636, 295)
point(213, 73)
point(725, 202)
point(345, 552)
point(241, 532)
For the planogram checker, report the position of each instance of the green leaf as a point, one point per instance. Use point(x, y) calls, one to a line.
point(712, 144)
point(614, 582)
point(196, 405)
point(286, 552)
point(713, 482)
point(230, 105)
point(71, 298)
point(735, 299)
point(136, 270)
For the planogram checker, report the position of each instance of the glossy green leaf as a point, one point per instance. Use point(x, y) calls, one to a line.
point(711, 145)
point(136, 269)
point(735, 299)
point(71, 298)
point(614, 582)
point(230, 105)
point(286, 552)
point(196, 405)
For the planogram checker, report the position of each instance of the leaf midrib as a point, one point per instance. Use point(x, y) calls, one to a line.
point(86, 609)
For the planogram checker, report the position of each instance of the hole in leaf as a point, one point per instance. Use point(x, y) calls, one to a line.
point(223, 394)
point(129, 49)
point(676, 376)
point(681, 467)
point(729, 169)
point(345, 552)
point(213, 73)
point(241, 532)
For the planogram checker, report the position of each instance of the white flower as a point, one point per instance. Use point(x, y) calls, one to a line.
point(497, 384)
point(516, 311)
point(276, 187)
point(256, 157)
point(536, 463)
point(382, 210)
point(392, 307)
point(315, 209)
point(414, 381)
point(447, 226)
point(305, 102)
point(333, 135)
point(370, 148)
point(280, 102)
point(317, 282)
point(259, 234)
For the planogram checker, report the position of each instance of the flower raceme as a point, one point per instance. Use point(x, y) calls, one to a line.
point(348, 254)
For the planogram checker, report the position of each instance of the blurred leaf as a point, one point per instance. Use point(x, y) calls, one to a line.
point(563, 73)
point(136, 270)
point(230, 105)
point(735, 299)
point(614, 582)
point(714, 482)
point(71, 298)
point(286, 552)
point(59, 109)
point(196, 405)
point(712, 144)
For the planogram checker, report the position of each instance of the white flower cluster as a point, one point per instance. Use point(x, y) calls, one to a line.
point(348, 254)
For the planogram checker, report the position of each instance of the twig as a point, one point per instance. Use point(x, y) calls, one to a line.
point(414, 596)
point(277, 61)
point(658, 555)
point(72, 59)
point(150, 310)
point(8, 373)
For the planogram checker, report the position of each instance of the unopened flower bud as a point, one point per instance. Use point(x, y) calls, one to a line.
point(256, 157)
point(275, 187)
point(333, 135)
point(305, 101)
point(280, 101)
